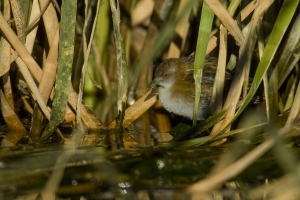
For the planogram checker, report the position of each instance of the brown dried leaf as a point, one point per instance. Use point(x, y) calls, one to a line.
point(136, 110)
point(13, 122)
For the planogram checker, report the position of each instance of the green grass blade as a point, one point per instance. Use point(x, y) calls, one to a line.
point(207, 17)
point(64, 70)
point(285, 16)
point(122, 72)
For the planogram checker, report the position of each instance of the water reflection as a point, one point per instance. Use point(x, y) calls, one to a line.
point(97, 172)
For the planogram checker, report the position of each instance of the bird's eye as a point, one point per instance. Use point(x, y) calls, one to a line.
point(165, 75)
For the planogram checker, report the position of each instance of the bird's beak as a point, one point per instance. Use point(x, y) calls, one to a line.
point(154, 83)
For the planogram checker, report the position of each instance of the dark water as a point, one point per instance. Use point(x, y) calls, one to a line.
point(141, 173)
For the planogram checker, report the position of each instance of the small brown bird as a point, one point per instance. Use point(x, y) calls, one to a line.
point(176, 91)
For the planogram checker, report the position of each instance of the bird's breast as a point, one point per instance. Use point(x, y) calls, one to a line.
point(182, 105)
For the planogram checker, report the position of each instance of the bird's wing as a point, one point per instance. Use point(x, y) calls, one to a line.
point(189, 75)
